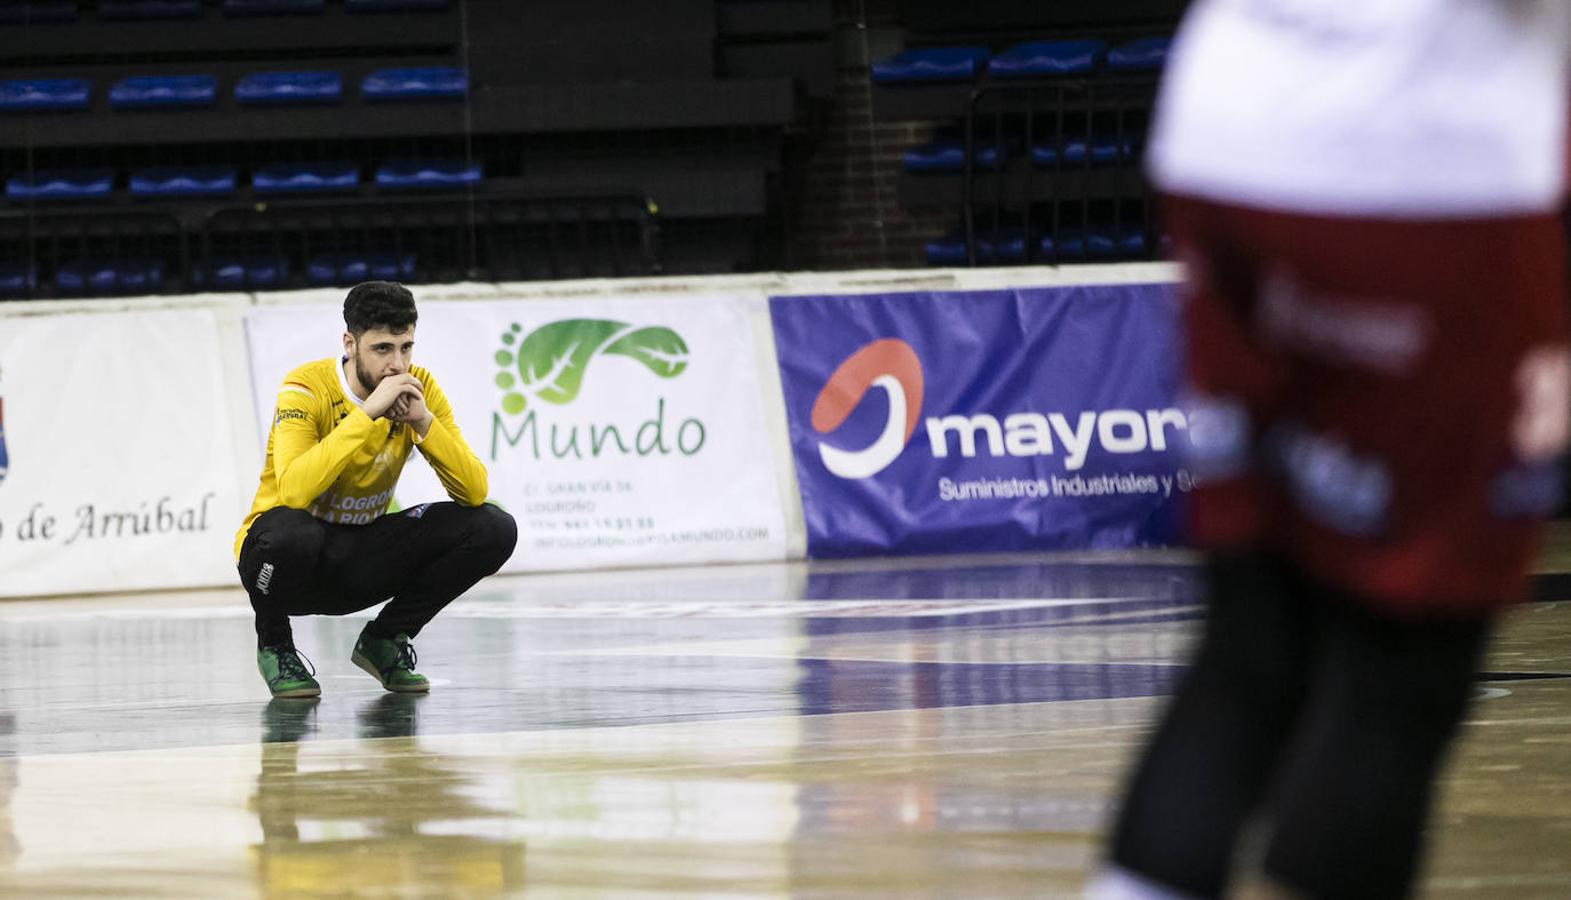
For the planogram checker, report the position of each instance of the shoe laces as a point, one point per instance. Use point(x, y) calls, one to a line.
point(406, 654)
point(292, 663)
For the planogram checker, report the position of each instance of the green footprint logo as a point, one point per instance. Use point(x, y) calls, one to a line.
point(549, 363)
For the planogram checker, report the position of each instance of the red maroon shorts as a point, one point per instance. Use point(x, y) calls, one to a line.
point(1383, 401)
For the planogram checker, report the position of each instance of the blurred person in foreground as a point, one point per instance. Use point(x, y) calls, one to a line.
point(1365, 195)
point(318, 539)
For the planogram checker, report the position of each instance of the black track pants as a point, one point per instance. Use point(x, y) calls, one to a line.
point(1326, 721)
point(293, 564)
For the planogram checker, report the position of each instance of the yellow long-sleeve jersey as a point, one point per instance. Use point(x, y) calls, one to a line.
point(326, 456)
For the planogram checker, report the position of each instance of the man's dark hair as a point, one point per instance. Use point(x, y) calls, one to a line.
point(379, 304)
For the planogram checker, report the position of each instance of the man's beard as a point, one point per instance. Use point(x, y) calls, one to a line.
point(366, 381)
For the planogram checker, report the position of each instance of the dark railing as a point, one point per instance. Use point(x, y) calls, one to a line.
point(487, 235)
point(1075, 190)
point(40, 242)
point(490, 236)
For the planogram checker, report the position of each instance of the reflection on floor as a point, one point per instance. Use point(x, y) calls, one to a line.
point(941, 727)
point(348, 826)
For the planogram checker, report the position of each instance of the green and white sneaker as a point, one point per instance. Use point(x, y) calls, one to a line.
point(285, 672)
point(392, 662)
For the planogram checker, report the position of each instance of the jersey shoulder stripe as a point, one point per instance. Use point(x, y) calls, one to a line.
point(320, 377)
point(311, 387)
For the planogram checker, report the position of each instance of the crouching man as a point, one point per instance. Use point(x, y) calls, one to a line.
point(317, 542)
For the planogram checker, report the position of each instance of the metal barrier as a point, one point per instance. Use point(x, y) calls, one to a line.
point(485, 236)
point(1073, 189)
point(44, 240)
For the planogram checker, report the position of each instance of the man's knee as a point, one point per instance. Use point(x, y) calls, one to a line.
point(282, 546)
point(493, 531)
point(288, 532)
point(497, 531)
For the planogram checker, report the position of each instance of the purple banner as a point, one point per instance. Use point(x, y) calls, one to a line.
point(984, 420)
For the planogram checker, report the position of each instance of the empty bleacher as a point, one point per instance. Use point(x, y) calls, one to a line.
point(284, 143)
point(1039, 116)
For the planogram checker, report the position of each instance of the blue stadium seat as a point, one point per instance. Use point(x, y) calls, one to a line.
point(1070, 244)
point(236, 273)
point(113, 276)
point(64, 184)
point(28, 94)
point(1100, 150)
point(290, 87)
point(1077, 245)
point(17, 279)
point(949, 155)
point(1004, 246)
point(930, 64)
point(949, 250)
point(422, 174)
point(352, 268)
point(1143, 55)
point(306, 178)
point(148, 91)
point(193, 181)
point(134, 10)
point(394, 5)
point(1094, 243)
point(441, 82)
point(1131, 241)
point(38, 12)
point(1038, 59)
point(271, 7)
point(1101, 243)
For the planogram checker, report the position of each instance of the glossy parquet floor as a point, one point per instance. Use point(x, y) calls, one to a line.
point(941, 728)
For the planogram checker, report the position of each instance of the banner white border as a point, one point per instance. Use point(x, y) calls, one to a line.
point(230, 311)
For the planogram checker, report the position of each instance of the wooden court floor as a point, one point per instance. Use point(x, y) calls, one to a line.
point(933, 728)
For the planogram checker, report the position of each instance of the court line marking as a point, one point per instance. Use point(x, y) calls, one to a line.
point(1522, 676)
point(751, 647)
point(1562, 720)
point(1472, 882)
point(1168, 663)
point(643, 609)
point(463, 744)
point(788, 609)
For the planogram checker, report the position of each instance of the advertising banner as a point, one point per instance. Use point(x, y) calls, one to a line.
point(984, 421)
point(618, 432)
point(117, 461)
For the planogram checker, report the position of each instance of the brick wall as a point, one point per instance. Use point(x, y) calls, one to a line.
point(841, 180)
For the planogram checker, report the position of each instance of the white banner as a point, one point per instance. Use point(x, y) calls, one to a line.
point(121, 458)
point(618, 432)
